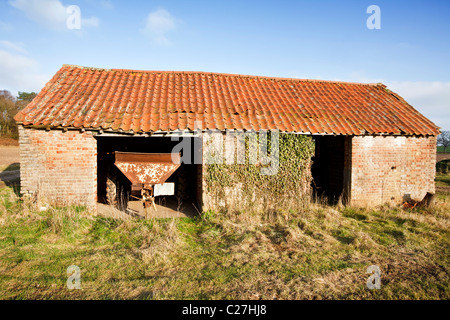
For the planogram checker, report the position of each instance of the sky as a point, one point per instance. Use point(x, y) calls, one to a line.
point(409, 50)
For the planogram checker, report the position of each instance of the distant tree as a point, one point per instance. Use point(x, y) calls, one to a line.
point(9, 106)
point(7, 112)
point(24, 98)
point(7, 95)
point(444, 139)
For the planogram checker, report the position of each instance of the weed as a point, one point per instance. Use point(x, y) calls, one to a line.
point(316, 251)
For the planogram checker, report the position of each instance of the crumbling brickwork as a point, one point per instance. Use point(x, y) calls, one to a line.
point(58, 167)
point(386, 168)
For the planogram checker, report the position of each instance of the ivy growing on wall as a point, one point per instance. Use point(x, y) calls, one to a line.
point(243, 187)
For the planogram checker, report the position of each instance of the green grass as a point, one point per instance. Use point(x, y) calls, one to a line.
point(323, 253)
point(443, 180)
point(441, 149)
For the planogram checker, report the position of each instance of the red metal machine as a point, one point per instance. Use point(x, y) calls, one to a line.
point(146, 170)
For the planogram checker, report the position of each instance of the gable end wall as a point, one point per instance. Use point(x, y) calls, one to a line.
point(385, 168)
point(58, 167)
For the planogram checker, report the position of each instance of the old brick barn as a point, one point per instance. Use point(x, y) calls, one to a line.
point(371, 146)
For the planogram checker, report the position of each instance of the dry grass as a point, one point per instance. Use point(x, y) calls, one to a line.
point(8, 141)
point(323, 253)
point(315, 252)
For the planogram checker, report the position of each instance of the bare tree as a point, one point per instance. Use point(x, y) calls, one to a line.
point(444, 139)
point(7, 112)
point(9, 106)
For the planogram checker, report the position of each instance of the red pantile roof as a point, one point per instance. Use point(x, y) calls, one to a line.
point(150, 101)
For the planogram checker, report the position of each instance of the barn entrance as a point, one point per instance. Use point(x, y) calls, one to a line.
point(114, 189)
point(331, 169)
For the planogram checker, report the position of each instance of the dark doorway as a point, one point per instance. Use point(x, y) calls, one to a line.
point(330, 169)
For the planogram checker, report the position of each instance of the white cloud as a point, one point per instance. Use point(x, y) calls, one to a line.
point(5, 27)
point(106, 4)
point(158, 24)
point(49, 13)
point(90, 22)
point(20, 73)
point(18, 47)
point(357, 76)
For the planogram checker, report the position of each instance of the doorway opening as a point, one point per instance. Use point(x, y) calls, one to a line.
point(115, 189)
point(331, 169)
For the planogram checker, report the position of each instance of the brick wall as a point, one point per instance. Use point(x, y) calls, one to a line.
point(58, 167)
point(61, 167)
point(384, 169)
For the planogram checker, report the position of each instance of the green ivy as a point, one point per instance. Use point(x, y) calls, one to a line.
point(290, 184)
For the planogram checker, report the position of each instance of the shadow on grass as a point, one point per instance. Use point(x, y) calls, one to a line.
point(10, 177)
point(343, 236)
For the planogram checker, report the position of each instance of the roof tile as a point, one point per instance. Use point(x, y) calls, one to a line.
point(149, 101)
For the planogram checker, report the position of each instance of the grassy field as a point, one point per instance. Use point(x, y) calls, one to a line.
point(321, 252)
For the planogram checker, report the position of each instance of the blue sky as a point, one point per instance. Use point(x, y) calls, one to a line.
point(300, 39)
